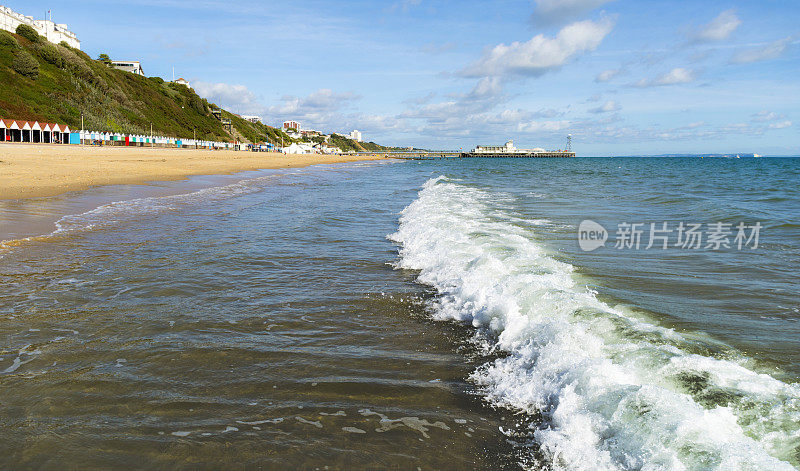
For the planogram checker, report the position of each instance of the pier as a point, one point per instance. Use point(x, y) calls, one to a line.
point(508, 150)
point(456, 154)
point(419, 155)
point(548, 154)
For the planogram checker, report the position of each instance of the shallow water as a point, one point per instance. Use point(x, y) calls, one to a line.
point(298, 319)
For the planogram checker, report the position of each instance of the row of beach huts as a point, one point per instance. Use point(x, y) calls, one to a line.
point(52, 133)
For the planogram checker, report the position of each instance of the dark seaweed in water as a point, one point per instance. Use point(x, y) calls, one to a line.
point(703, 391)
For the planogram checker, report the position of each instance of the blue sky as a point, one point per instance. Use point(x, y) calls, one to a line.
point(622, 76)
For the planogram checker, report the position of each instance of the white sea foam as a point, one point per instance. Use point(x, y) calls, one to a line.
point(415, 423)
point(261, 422)
point(353, 430)
point(612, 390)
point(315, 423)
point(26, 355)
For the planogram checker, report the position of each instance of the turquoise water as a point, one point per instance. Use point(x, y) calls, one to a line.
point(435, 314)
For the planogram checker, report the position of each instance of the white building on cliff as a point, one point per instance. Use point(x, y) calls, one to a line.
point(55, 33)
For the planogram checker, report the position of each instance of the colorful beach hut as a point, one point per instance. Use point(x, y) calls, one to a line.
point(15, 131)
point(55, 133)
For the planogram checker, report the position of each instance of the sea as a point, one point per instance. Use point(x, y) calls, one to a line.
point(553, 314)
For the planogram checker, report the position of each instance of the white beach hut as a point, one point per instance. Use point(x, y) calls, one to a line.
point(36, 132)
point(55, 133)
point(15, 130)
point(47, 132)
point(27, 135)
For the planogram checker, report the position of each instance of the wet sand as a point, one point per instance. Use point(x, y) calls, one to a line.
point(36, 170)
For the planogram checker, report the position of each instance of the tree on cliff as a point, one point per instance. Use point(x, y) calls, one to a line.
point(25, 64)
point(28, 33)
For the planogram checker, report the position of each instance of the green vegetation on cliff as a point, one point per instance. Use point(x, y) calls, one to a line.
point(41, 81)
point(350, 145)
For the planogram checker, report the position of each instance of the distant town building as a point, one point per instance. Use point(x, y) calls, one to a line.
point(134, 67)
point(55, 33)
point(356, 135)
point(302, 148)
point(327, 149)
point(181, 81)
point(291, 125)
point(310, 133)
point(509, 148)
point(252, 119)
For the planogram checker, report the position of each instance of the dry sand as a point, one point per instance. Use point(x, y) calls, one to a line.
point(33, 170)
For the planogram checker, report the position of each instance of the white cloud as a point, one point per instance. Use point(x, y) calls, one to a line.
point(322, 108)
point(237, 98)
point(772, 50)
point(675, 76)
point(696, 124)
point(543, 126)
point(438, 48)
point(485, 95)
point(772, 119)
point(486, 88)
point(547, 113)
point(563, 10)
point(606, 107)
point(421, 100)
point(541, 54)
point(594, 98)
point(322, 100)
point(781, 124)
point(719, 28)
point(767, 116)
point(405, 6)
point(472, 115)
point(607, 75)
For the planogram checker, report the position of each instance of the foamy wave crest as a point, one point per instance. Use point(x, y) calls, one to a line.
point(607, 389)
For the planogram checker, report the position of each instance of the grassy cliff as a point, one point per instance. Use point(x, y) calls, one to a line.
point(54, 83)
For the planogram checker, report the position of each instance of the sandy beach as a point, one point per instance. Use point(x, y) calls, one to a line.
point(31, 170)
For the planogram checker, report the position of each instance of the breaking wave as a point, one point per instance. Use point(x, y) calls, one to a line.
point(603, 388)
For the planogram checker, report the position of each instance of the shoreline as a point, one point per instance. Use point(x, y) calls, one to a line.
point(42, 170)
point(22, 219)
